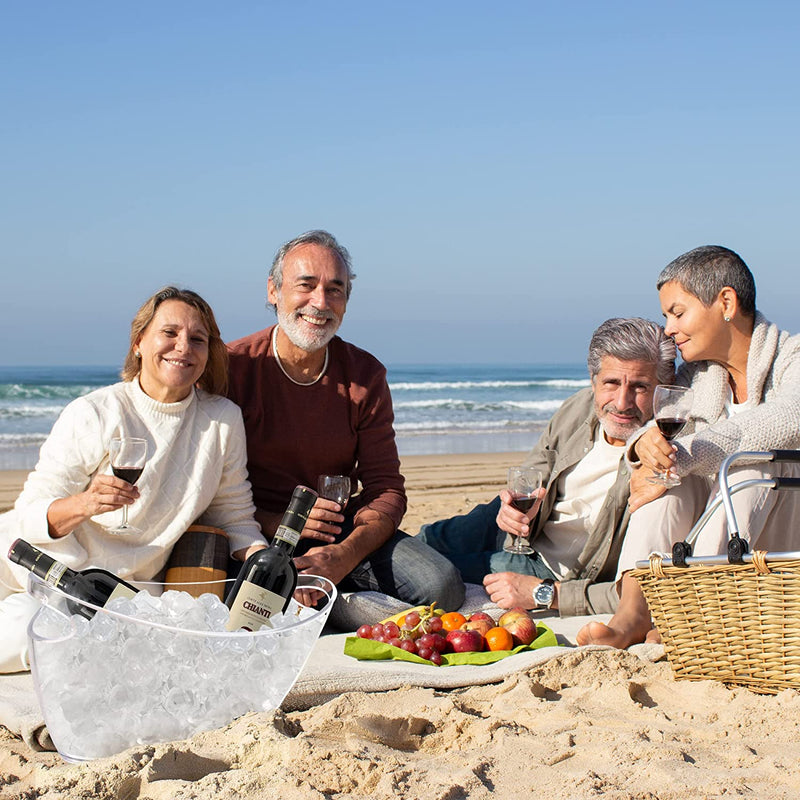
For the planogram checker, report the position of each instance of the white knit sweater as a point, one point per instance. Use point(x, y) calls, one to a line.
point(195, 472)
point(773, 390)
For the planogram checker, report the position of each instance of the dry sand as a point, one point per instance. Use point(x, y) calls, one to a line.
point(585, 725)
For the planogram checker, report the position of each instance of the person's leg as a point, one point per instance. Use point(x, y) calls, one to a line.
point(765, 517)
point(469, 540)
point(653, 528)
point(16, 612)
point(657, 525)
point(406, 568)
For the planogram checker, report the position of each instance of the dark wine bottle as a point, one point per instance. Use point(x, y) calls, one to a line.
point(268, 578)
point(93, 585)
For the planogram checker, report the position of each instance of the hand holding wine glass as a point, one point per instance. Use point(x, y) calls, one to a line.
point(523, 485)
point(334, 487)
point(671, 408)
point(128, 456)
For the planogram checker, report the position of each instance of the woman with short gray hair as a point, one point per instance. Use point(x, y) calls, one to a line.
point(745, 376)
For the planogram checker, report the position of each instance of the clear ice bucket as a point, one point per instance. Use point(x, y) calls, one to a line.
point(123, 681)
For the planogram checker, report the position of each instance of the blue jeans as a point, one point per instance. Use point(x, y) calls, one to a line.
point(474, 544)
point(405, 568)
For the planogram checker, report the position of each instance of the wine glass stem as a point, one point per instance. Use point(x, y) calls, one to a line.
point(125, 516)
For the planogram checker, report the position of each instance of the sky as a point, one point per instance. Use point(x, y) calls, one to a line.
point(506, 175)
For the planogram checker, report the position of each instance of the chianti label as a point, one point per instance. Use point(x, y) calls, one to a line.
point(253, 607)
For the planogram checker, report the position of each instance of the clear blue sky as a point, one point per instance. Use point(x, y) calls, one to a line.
point(506, 175)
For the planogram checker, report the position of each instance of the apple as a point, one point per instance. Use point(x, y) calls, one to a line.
point(480, 615)
point(522, 629)
point(513, 614)
point(480, 625)
point(465, 641)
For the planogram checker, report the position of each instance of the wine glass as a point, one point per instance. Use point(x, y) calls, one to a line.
point(523, 484)
point(671, 408)
point(128, 455)
point(334, 487)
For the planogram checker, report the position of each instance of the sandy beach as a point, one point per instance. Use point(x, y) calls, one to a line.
point(586, 724)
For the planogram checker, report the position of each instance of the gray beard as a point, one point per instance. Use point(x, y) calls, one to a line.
point(300, 338)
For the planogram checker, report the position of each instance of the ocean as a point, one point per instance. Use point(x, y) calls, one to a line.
point(441, 409)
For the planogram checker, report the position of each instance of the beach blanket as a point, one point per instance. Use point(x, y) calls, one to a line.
point(329, 672)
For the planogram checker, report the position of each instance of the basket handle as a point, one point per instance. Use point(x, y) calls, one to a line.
point(737, 546)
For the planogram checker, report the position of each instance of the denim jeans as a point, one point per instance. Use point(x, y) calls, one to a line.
point(405, 568)
point(474, 544)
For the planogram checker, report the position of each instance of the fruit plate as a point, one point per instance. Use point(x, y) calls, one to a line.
point(369, 650)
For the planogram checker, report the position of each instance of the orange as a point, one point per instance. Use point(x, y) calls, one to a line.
point(452, 621)
point(499, 639)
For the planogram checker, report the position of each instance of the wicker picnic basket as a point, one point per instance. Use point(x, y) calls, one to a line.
point(736, 617)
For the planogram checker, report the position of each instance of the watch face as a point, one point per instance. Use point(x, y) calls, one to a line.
point(544, 594)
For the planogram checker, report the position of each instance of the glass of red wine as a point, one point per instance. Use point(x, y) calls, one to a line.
point(523, 484)
point(128, 456)
point(334, 487)
point(671, 408)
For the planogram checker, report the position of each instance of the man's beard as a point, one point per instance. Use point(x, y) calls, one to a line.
point(302, 335)
point(617, 430)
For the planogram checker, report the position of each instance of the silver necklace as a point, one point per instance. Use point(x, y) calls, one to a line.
point(283, 369)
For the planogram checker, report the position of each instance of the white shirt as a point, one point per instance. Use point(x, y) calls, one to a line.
point(580, 494)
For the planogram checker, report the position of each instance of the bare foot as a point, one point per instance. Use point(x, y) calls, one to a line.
point(653, 637)
point(630, 625)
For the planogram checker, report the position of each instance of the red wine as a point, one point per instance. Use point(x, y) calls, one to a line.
point(268, 578)
point(523, 503)
point(670, 427)
point(95, 586)
point(130, 474)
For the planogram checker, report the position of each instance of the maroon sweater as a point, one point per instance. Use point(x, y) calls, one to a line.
point(342, 425)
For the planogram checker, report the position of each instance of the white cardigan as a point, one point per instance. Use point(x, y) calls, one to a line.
point(773, 391)
point(195, 472)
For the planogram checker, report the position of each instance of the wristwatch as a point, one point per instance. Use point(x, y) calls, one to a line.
point(545, 593)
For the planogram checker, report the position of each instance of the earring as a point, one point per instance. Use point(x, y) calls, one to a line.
point(139, 355)
point(727, 319)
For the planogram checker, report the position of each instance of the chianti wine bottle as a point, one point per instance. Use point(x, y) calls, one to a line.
point(268, 578)
point(93, 585)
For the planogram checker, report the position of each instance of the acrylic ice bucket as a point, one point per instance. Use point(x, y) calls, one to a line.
point(117, 681)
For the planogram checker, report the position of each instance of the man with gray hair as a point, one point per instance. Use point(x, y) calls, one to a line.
point(315, 405)
point(578, 526)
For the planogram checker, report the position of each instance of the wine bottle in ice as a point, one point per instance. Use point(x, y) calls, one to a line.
point(93, 585)
point(268, 578)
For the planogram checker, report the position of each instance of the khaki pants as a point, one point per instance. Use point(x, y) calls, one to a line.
point(768, 519)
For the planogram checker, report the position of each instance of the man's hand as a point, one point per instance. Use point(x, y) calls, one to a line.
point(335, 561)
point(510, 520)
point(512, 590)
point(642, 491)
point(331, 561)
point(324, 521)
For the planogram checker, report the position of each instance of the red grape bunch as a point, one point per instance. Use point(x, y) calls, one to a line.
point(420, 633)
